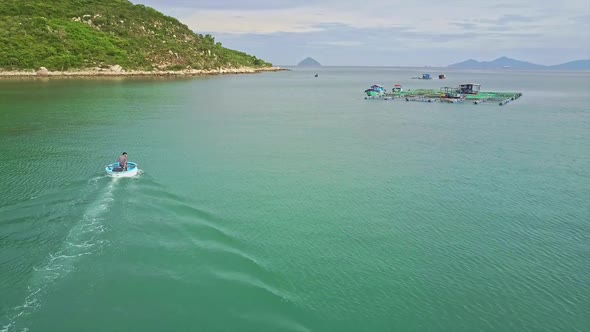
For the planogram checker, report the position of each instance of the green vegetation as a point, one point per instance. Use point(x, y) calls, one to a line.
point(77, 34)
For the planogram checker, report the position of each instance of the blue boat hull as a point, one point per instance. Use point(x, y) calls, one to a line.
point(115, 171)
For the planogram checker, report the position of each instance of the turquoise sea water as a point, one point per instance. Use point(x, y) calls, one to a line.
point(284, 202)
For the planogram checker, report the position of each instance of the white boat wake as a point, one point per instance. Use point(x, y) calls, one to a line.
point(83, 239)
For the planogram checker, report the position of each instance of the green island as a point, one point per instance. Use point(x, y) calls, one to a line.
point(110, 35)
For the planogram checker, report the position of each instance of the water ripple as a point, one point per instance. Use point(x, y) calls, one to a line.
point(80, 241)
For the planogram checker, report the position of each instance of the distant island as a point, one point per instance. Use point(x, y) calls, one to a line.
point(505, 62)
point(114, 36)
point(309, 62)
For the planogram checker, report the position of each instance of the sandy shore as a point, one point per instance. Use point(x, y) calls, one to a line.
point(133, 73)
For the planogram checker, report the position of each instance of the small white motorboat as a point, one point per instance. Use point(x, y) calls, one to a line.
point(117, 171)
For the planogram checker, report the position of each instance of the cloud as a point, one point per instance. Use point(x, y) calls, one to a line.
point(446, 17)
point(221, 4)
point(339, 43)
point(510, 19)
point(284, 29)
point(582, 19)
point(253, 21)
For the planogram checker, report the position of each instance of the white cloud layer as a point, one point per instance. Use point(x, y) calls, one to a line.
point(459, 25)
point(423, 16)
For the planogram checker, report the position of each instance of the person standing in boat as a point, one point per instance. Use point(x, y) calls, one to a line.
point(123, 161)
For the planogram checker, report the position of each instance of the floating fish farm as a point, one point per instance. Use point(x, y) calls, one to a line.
point(469, 92)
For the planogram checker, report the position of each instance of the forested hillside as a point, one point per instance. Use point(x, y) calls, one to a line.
point(80, 34)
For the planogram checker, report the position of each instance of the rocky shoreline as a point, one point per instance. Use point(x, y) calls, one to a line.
point(117, 71)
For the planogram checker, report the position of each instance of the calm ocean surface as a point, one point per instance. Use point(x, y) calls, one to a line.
point(284, 202)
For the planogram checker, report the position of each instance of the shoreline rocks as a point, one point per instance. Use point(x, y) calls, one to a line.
point(118, 71)
point(42, 71)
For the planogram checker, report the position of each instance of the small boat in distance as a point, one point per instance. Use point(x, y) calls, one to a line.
point(375, 91)
point(424, 77)
point(116, 171)
point(442, 76)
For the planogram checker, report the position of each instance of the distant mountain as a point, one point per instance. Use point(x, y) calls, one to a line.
point(502, 62)
point(573, 65)
point(468, 64)
point(309, 62)
point(505, 62)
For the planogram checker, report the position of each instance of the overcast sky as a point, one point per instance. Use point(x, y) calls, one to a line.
point(391, 32)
